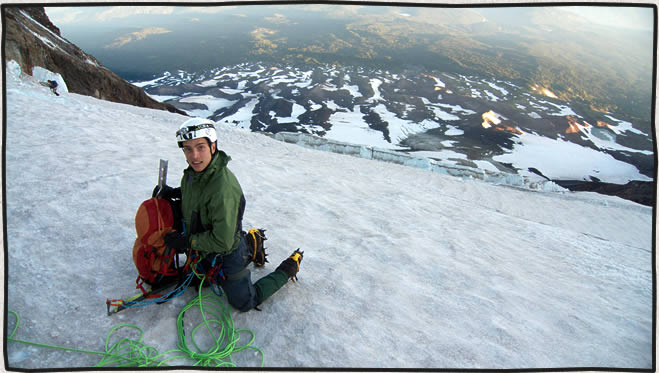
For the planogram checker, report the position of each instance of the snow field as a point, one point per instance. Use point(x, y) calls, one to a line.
point(403, 268)
point(553, 157)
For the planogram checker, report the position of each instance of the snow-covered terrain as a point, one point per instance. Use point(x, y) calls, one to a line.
point(403, 268)
point(476, 122)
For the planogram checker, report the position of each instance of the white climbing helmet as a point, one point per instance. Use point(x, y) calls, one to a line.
point(196, 128)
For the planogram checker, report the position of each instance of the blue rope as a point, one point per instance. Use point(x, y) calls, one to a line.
point(171, 295)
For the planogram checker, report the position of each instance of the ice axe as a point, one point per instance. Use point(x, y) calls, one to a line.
point(162, 176)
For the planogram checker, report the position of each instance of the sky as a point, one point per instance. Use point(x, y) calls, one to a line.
point(403, 268)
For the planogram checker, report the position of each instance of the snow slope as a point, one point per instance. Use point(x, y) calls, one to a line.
point(403, 268)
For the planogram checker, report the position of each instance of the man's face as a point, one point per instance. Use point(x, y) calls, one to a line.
point(198, 153)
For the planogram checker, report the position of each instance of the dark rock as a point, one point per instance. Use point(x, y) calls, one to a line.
point(39, 15)
point(319, 117)
point(537, 172)
point(375, 122)
point(642, 192)
point(225, 112)
point(189, 106)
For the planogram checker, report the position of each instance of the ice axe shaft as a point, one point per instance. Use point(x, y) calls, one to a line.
point(162, 175)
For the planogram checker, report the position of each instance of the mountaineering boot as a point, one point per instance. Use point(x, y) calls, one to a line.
point(268, 285)
point(291, 265)
point(254, 241)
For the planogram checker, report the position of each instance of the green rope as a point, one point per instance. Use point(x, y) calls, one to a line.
point(217, 322)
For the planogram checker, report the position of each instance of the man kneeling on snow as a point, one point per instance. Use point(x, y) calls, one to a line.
point(212, 208)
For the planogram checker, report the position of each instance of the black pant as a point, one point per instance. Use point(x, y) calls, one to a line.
point(238, 286)
point(241, 292)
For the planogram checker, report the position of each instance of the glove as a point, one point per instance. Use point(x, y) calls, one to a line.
point(178, 241)
point(166, 192)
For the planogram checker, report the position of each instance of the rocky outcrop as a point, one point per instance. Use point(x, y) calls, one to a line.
point(32, 40)
point(642, 192)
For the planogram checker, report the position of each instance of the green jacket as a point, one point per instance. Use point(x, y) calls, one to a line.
point(212, 206)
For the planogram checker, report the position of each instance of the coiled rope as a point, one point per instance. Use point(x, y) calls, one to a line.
point(216, 321)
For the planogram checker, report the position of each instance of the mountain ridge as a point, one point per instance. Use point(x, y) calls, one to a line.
point(32, 40)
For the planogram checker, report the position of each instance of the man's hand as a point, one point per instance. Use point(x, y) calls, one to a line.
point(178, 241)
point(166, 192)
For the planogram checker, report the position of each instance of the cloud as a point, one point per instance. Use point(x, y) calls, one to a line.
point(625, 17)
point(129, 11)
point(278, 18)
point(205, 9)
point(62, 16)
point(333, 10)
point(138, 35)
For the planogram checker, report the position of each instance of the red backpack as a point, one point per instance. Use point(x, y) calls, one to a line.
point(154, 261)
